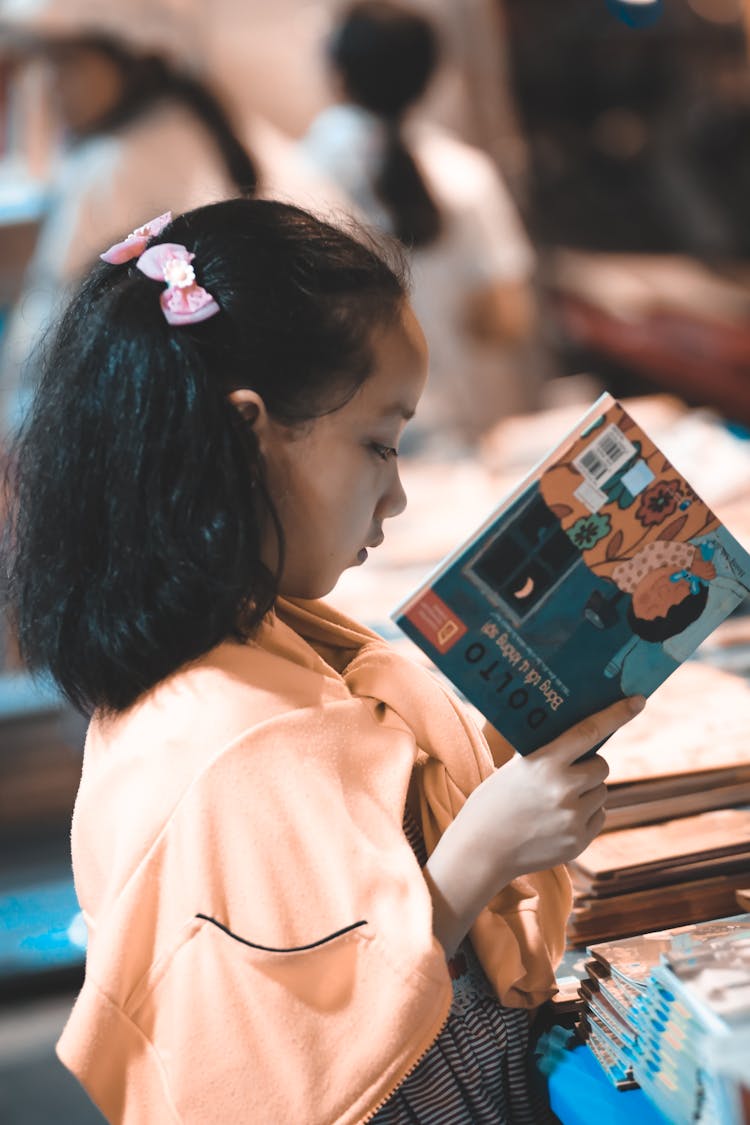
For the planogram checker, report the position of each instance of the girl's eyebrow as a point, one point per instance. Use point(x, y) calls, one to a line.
point(397, 408)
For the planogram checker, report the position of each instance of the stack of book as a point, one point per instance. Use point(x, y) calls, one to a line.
point(677, 847)
point(696, 1003)
point(679, 871)
point(670, 1012)
point(604, 1022)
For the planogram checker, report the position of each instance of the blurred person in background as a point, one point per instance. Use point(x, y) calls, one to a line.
point(445, 201)
point(140, 132)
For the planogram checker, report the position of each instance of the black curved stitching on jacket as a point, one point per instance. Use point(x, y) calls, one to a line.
point(289, 949)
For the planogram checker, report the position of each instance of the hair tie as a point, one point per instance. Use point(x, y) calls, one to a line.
point(184, 301)
point(137, 241)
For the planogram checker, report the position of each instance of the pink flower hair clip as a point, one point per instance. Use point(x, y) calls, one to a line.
point(183, 301)
point(137, 241)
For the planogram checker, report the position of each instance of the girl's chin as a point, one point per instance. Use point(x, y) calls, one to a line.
point(310, 591)
point(311, 588)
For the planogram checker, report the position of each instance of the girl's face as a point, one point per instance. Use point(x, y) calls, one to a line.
point(86, 85)
point(656, 593)
point(335, 480)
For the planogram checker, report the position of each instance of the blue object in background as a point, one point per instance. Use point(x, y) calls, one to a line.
point(580, 1092)
point(25, 696)
point(41, 928)
point(637, 14)
point(738, 430)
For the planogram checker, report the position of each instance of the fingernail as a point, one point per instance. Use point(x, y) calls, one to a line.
point(636, 703)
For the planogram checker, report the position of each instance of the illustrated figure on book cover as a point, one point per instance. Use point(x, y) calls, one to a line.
point(641, 526)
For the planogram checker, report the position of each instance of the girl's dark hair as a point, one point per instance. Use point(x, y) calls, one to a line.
point(385, 56)
point(677, 618)
point(138, 497)
point(149, 79)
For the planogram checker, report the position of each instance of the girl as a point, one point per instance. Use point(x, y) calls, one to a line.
point(141, 131)
point(444, 199)
point(213, 442)
point(137, 131)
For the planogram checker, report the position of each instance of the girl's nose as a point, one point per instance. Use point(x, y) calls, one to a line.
point(393, 501)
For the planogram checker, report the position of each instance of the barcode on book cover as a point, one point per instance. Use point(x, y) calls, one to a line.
point(605, 455)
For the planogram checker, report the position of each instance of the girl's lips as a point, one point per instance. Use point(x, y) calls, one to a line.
point(363, 554)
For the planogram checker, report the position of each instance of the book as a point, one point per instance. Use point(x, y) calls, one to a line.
point(680, 871)
point(679, 804)
point(631, 959)
point(619, 994)
point(635, 912)
point(593, 580)
point(608, 1049)
point(643, 851)
point(717, 973)
point(692, 1014)
point(670, 1011)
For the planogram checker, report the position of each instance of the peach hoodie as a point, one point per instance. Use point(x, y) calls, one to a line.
point(260, 938)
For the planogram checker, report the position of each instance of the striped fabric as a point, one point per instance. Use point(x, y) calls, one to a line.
point(478, 1071)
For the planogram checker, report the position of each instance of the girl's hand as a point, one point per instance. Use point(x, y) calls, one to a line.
point(544, 809)
point(532, 813)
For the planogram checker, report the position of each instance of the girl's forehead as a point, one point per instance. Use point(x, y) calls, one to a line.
point(390, 393)
point(399, 365)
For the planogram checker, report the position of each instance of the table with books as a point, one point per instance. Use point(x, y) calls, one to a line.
point(654, 1029)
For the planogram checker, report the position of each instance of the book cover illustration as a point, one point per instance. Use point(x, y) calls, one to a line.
point(595, 580)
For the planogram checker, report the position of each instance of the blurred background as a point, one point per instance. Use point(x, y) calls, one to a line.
point(613, 155)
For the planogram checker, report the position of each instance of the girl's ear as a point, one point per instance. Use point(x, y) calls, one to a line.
point(251, 407)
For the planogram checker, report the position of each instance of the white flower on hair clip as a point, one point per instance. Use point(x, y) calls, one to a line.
point(183, 301)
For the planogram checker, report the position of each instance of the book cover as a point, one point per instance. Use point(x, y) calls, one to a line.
point(595, 579)
point(632, 959)
point(617, 1067)
point(715, 973)
point(606, 1017)
point(619, 994)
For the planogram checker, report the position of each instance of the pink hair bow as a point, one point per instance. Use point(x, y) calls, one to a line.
point(183, 301)
point(137, 241)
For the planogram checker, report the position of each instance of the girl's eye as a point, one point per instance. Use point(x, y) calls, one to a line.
point(385, 452)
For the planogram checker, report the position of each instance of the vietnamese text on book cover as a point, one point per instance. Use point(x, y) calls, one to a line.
point(599, 575)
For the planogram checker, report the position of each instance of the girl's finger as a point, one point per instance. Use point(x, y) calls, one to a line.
point(593, 730)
